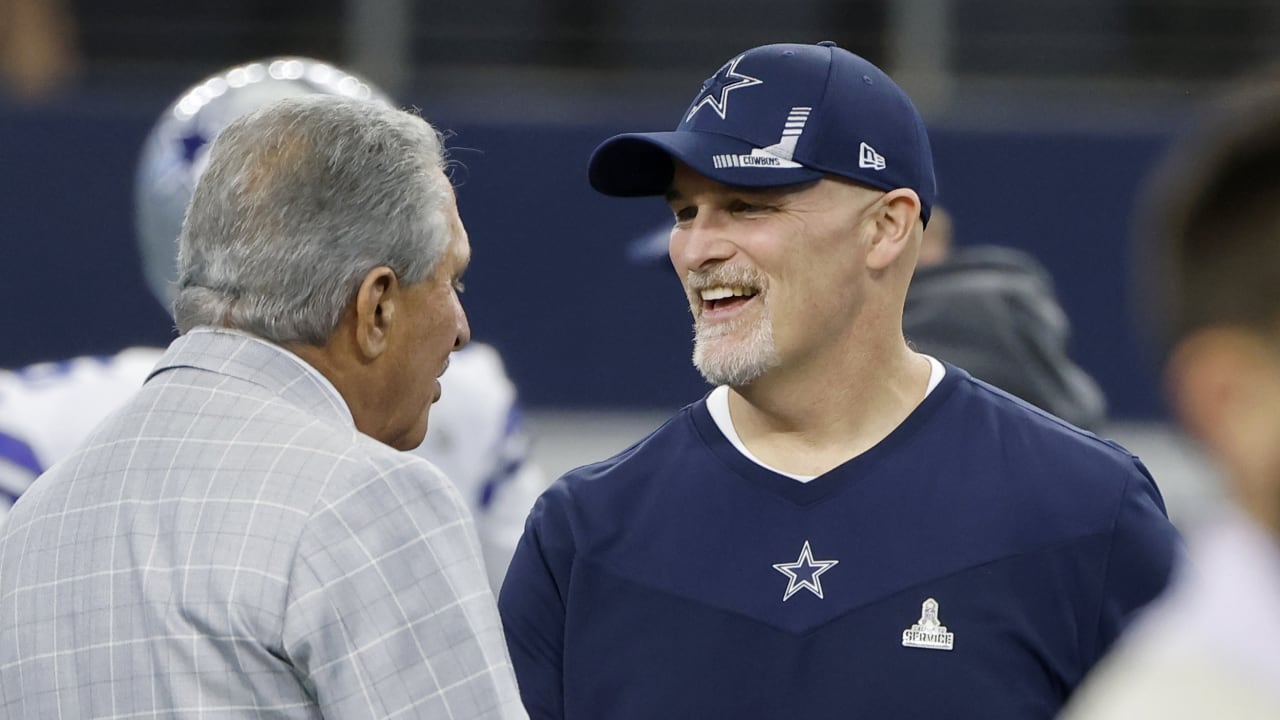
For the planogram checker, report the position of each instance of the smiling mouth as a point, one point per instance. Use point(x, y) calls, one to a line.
point(725, 297)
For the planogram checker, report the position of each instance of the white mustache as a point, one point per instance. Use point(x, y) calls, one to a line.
point(726, 275)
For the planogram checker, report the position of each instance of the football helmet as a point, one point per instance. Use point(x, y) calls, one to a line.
point(176, 150)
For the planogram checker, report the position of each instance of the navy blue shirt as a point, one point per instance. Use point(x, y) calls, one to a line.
point(973, 564)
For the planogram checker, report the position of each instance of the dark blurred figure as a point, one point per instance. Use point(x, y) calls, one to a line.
point(993, 311)
point(158, 39)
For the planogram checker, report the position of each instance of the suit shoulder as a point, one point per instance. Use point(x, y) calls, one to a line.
point(369, 457)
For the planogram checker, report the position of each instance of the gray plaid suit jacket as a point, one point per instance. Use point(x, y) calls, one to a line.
point(228, 545)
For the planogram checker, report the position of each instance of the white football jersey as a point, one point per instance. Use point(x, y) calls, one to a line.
point(475, 434)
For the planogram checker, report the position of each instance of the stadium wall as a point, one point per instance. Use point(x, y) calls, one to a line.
point(580, 325)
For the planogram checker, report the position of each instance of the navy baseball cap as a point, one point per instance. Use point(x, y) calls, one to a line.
point(782, 115)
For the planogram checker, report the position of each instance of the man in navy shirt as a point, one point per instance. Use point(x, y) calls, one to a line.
point(843, 527)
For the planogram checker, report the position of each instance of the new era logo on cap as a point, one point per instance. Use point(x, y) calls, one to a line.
point(781, 115)
point(869, 158)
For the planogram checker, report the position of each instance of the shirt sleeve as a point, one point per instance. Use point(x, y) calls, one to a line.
point(389, 612)
point(532, 604)
point(1144, 550)
point(19, 467)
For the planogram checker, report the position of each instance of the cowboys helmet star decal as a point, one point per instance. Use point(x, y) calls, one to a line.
point(715, 92)
point(804, 573)
point(191, 144)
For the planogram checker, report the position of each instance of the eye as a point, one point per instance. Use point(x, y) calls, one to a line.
point(458, 287)
point(684, 214)
point(747, 207)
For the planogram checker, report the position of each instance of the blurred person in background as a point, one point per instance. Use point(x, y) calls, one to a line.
point(46, 410)
point(1210, 241)
point(993, 311)
point(244, 535)
point(842, 527)
point(38, 47)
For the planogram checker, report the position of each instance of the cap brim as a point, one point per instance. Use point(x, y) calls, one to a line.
point(640, 164)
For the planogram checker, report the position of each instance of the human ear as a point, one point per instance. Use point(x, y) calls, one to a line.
point(896, 215)
point(376, 304)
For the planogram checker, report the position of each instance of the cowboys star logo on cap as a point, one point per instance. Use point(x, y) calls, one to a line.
point(716, 91)
point(811, 111)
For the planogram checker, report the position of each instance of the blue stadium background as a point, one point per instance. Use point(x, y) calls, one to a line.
point(1045, 118)
point(550, 284)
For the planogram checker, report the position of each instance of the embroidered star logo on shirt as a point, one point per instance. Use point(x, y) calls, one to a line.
point(804, 573)
point(716, 90)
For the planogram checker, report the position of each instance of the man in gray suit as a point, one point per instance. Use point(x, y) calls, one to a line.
point(243, 538)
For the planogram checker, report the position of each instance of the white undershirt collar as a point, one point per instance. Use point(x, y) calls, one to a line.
point(718, 406)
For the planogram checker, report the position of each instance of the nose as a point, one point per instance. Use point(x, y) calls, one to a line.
point(701, 242)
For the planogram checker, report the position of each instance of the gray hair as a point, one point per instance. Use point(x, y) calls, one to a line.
point(300, 200)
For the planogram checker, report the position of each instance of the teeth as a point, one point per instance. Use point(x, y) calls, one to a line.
point(721, 292)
